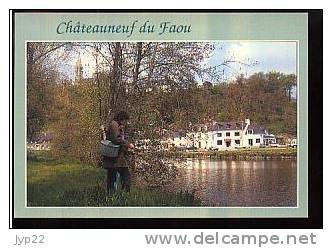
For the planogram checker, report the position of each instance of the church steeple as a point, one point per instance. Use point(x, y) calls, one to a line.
point(78, 70)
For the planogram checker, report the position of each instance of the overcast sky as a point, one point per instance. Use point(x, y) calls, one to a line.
point(269, 55)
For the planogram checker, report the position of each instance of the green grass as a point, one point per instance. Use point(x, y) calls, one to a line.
point(52, 182)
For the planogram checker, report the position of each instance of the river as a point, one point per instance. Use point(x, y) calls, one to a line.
point(268, 183)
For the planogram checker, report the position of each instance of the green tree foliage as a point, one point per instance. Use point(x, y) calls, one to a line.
point(76, 123)
point(263, 98)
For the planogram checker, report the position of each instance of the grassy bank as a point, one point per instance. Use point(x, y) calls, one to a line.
point(52, 182)
point(242, 154)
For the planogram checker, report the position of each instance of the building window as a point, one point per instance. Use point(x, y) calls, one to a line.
point(237, 134)
point(258, 140)
point(219, 142)
point(237, 142)
point(219, 134)
point(228, 134)
point(250, 132)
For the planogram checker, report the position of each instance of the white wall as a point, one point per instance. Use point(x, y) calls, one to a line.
point(253, 137)
point(208, 140)
point(232, 137)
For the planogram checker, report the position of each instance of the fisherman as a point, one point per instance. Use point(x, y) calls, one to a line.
point(115, 132)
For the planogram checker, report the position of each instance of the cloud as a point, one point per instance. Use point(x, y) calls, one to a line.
point(270, 55)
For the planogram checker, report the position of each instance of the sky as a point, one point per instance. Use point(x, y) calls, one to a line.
point(263, 56)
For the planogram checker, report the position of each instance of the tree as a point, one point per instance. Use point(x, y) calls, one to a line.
point(158, 84)
point(289, 84)
point(155, 82)
point(41, 76)
point(262, 98)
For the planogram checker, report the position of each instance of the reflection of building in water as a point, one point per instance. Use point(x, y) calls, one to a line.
point(240, 183)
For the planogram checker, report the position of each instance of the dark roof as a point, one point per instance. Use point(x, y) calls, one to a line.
point(175, 134)
point(222, 126)
point(233, 126)
point(257, 129)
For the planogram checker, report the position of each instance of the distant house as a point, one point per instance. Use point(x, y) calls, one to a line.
point(41, 142)
point(240, 134)
point(222, 136)
point(174, 139)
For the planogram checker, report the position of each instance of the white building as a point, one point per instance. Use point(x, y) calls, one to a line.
point(230, 135)
point(41, 142)
point(222, 136)
point(176, 140)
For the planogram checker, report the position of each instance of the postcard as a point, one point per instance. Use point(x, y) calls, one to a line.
point(163, 115)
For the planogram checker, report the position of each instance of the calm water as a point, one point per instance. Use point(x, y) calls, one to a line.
point(240, 183)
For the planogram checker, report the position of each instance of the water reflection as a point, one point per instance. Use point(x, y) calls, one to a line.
point(240, 183)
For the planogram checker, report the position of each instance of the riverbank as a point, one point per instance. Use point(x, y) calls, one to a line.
point(241, 154)
point(52, 182)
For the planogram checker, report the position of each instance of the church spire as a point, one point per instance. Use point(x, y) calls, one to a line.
point(78, 70)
